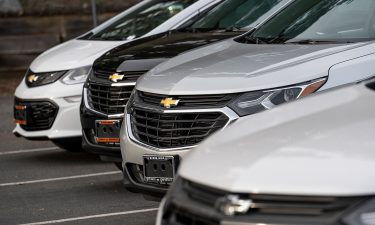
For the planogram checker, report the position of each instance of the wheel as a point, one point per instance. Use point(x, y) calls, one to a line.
point(118, 165)
point(69, 144)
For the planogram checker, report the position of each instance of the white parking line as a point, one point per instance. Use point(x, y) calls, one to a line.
point(29, 151)
point(93, 216)
point(59, 178)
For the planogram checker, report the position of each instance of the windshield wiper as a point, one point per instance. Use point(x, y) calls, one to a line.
point(257, 40)
point(234, 29)
point(114, 38)
point(188, 29)
point(312, 42)
point(215, 29)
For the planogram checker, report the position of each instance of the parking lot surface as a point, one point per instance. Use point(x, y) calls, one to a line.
point(42, 184)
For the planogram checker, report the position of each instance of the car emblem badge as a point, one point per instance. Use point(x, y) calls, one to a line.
point(115, 77)
point(233, 204)
point(32, 78)
point(168, 102)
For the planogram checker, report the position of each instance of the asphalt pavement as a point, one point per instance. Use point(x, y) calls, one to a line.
point(42, 184)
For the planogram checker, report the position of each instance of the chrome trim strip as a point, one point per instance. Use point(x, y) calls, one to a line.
point(227, 222)
point(123, 84)
point(226, 111)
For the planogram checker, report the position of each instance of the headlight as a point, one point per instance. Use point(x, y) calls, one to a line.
point(364, 215)
point(38, 79)
point(76, 76)
point(257, 101)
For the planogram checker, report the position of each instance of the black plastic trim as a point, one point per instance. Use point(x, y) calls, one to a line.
point(35, 101)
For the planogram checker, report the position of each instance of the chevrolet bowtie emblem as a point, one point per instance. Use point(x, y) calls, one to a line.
point(115, 77)
point(168, 102)
point(233, 204)
point(32, 78)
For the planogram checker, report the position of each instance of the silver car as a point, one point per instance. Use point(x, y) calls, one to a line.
point(309, 46)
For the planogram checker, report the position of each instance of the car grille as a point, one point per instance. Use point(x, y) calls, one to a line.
point(40, 115)
point(128, 75)
point(193, 198)
point(187, 101)
point(108, 99)
point(174, 130)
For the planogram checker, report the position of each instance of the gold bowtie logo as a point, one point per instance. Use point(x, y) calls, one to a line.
point(115, 77)
point(32, 78)
point(168, 102)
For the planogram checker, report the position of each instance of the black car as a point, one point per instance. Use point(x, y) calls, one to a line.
point(114, 74)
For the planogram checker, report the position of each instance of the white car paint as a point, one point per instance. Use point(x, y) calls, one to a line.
point(322, 145)
point(232, 67)
point(76, 54)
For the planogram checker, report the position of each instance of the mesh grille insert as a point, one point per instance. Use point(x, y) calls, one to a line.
point(174, 130)
point(108, 99)
point(40, 114)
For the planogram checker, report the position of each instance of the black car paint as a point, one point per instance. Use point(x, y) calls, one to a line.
point(162, 46)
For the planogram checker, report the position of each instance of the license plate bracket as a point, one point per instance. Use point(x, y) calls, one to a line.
point(20, 114)
point(107, 131)
point(159, 169)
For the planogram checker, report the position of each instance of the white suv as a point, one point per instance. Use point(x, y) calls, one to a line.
point(309, 46)
point(308, 162)
point(47, 100)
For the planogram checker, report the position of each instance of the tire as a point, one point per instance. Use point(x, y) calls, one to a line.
point(69, 144)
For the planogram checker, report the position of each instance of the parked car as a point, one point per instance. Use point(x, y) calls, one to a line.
point(47, 100)
point(309, 46)
point(114, 75)
point(307, 162)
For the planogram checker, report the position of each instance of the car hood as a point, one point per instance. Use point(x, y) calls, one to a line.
point(71, 54)
point(230, 67)
point(161, 46)
point(321, 145)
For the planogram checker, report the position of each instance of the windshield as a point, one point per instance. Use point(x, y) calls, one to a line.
point(320, 21)
point(234, 14)
point(142, 20)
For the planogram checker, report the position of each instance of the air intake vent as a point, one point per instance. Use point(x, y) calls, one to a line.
point(40, 115)
point(108, 99)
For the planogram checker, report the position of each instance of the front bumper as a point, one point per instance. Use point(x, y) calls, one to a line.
point(88, 120)
point(132, 154)
point(189, 202)
point(66, 98)
point(133, 150)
